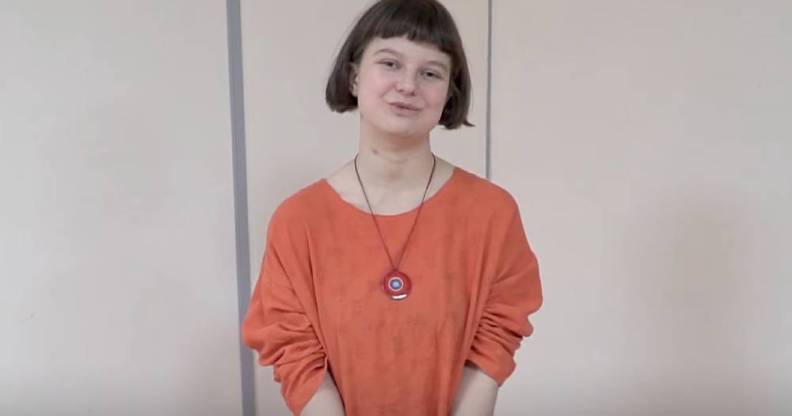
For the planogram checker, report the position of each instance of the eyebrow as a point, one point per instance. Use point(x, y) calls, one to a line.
point(389, 50)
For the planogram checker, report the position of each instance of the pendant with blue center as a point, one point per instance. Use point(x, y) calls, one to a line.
point(397, 285)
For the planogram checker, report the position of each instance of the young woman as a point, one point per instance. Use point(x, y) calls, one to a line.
point(399, 284)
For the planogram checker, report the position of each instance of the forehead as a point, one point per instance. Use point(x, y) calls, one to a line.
point(407, 48)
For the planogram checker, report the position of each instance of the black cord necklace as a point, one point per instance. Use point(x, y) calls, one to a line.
point(396, 283)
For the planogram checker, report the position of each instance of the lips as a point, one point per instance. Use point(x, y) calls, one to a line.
point(404, 106)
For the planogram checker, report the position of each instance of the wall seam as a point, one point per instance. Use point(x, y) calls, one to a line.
point(488, 130)
point(239, 168)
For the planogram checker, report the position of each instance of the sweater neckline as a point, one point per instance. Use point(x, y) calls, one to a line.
point(444, 189)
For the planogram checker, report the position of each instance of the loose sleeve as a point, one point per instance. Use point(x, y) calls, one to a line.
point(277, 325)
point(514, 294)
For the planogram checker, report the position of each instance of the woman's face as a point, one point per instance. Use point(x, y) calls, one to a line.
point(401, 86)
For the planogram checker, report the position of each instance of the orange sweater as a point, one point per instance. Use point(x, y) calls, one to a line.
point(319, 303)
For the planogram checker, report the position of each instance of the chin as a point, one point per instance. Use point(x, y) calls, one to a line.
point(395, 128)
point(402, 131)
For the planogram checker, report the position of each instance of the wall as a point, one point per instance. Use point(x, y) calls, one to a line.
point(646, 143)
point(293, 138)
point(650, 147)
point(117, 288)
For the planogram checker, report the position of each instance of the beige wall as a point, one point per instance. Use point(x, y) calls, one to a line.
point(646, 146)
point(117, 278)
point(646, 142)
point(649, 145)
point(293, 138)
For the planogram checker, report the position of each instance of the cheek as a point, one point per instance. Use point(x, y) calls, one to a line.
point(371, 92)
point(369, 100)
point(437, 99)
point(374, 84)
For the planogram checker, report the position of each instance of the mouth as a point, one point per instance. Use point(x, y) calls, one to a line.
point(403, 107)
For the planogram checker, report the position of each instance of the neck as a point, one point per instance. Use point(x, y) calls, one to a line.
point(394, 163)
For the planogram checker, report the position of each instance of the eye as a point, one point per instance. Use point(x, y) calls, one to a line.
point(389, 64)
point(431, 74)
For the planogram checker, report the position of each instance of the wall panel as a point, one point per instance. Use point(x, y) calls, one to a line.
point(117, 278)
point(293, 138)
point(648, 145)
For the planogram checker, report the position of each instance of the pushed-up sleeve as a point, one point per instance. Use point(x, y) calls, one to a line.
point(514, 294)
point(277, 325)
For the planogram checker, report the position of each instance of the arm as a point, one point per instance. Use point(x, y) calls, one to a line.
point(514, 294)
point(476, 395)
point(326, 401)
point(281, 317)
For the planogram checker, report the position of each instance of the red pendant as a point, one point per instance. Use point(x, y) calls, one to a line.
point(397, 285)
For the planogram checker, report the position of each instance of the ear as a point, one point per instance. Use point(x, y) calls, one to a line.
point(353, 79)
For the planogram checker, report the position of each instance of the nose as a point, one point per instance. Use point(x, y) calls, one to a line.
point(406, 84)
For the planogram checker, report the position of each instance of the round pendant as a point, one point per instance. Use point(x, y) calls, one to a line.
point(397, 285)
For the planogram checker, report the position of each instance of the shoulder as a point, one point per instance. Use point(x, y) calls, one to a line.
point(296, 209)
point(484, 195)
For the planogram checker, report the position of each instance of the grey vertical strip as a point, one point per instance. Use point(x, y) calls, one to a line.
point(239, 166)
point(488, 139)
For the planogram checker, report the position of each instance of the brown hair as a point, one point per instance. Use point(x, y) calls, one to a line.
point(425, 21)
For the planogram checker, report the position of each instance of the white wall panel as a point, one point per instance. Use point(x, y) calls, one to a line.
point(293, 138)
point(117, 278)
point(649, 145)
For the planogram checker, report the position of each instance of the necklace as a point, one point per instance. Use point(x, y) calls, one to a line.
point(396, 283)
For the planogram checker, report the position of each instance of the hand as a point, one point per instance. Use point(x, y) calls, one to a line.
point(476, 395)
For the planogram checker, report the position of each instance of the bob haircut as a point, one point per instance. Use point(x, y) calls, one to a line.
point(424, 21)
